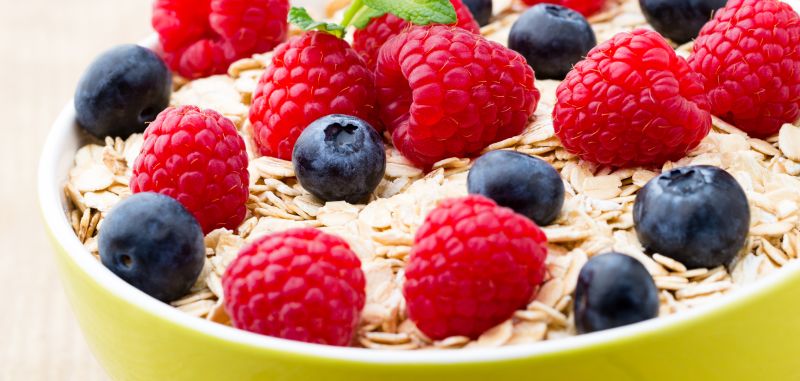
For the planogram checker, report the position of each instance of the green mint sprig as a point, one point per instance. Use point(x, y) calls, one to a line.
point(301, 18)
point(419, 12)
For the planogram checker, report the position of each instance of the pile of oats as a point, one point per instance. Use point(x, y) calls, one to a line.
point(596, 217)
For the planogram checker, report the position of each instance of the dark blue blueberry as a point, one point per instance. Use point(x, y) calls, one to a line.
point(613, 290)
point(697, 215)
point(481, 10)
point(151, 241)
point(679, 20)
point(552, 38)
point(528, 185)
point(339, 157)
point(123, 90)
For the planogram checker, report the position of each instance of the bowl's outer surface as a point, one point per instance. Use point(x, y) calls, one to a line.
point(753, 335)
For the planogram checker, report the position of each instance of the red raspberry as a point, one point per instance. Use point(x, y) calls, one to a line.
point(203, 37)
point(300, 284)
point(368, 41)
point(585, 7)
point(443, 92)
point(311, 76)
point(198, 158)
point(472, 265)
point(750, 56)
point(631, 102)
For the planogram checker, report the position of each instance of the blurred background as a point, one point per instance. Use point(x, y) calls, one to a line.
point(45, 46)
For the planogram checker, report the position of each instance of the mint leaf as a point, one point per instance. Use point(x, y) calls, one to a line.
point(364, 16)
point(420, 12)
point(301, 18)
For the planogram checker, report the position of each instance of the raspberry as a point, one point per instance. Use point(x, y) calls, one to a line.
point(472, 265)
point(301, 284)
point(203, 37)
point(198, 158)
point(631, 102)
point(443, 92)
point(750, 56)
point(368, 40)
point(585, 7)
point(311, 76)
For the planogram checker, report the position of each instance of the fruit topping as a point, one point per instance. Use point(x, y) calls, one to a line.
point(552, 39)
point(631, 102)
point(679, 20)
point(300, 284)
point(445, 92)
point(472, 265)
point(198, 158)
point(200, 38)
point(153, 243)
point(121, 91)
point(339, 157)
point(697, 215)
point(749, 54)
point(613, 290)
point(310, 76)
point(528, 185)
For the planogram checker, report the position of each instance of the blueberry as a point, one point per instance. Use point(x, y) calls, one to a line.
point(679, 20)
point(697, 215)
point(339, 157)
point(613, 290)
point(528, 185)
point(123, 90)
point(481, 10)
point(152, 242)
point(552, 38)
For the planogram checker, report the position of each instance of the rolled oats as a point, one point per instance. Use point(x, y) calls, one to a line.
point(596, 218)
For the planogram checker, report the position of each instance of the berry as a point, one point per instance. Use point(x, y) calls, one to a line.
point(679, 20)
point(198, 158)
point(121, 91)
point(445, 92)
point(311, 76)
point(552, 39)
point(528, 185)
point(750, 56)
point(203, 37)
point(697, 215)
point(472, 265)
point(613, 290)
point(153, 243)
point(369, 40)
point(631, 102)
point(301, 284)
point(585, 7)
point(339, 157)
point(481, 10)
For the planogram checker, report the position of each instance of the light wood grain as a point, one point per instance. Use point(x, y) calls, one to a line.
point(45, 46)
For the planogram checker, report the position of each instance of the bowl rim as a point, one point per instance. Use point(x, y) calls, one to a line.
point(50, 193)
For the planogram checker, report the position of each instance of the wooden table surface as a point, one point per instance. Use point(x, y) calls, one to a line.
point(44, 45)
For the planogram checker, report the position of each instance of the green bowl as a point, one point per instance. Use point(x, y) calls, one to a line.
point(751, 333)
